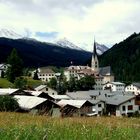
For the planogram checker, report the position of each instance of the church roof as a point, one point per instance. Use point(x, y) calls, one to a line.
point(105, 71)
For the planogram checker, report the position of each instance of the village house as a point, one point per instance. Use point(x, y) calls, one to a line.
point(134, 87)
point(75, 107)
point(120, 104)
point(3, 69)
point(45, 74)
point(37, 105)
point(114, 86)
point(46, 89)
point(92, 96)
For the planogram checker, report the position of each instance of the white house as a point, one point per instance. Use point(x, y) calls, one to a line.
point(45, 74)
point(98, 106)
point(3, 68)
point(46, 89)
point(134, 87)
point(114, 86)
point(119, 105)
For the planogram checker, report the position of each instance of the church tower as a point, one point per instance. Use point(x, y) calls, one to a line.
point(94, 61)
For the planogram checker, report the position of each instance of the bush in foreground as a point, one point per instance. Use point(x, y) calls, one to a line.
point(8, 103)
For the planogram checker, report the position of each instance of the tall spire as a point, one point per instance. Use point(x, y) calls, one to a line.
point(94, 48)
point(94, 61)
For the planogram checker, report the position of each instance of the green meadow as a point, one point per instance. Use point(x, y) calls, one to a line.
point(18, 126)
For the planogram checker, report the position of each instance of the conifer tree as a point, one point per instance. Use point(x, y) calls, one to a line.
point(15, 67)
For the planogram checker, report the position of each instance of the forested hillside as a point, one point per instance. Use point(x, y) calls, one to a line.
point(36, 54)
point(124, 58)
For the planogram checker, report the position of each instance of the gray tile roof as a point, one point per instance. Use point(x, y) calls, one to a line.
point(136, 84)
point(117, 99)
point(46, 70)
point(105, 71)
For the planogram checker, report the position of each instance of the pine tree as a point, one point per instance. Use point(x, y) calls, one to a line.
point(15, 66)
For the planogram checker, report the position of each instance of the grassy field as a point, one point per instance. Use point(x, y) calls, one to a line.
point(4, 83)
point(15, 126)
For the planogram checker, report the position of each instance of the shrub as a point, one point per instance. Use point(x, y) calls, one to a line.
point(8, 103)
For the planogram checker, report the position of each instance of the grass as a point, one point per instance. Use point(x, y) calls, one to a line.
point(4, 83)
point(33, 83)
point(25, 126)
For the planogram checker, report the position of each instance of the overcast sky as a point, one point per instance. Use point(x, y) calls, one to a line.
point(110, 21)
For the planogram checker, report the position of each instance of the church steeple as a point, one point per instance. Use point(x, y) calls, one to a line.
point(94, 48)
point(94, 61)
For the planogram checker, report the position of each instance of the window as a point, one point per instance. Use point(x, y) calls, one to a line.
point(99, 105)
point(123, 108)
point(46, 88)
point(130, 107)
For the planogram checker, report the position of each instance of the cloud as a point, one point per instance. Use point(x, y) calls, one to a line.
point(78, 20)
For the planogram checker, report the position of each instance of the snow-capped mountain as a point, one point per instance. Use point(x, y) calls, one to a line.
point(101, 48)
point(67, 44)
point(9, 34)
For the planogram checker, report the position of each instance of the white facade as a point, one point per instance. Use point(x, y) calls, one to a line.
point(98, 108)
point(46, 76)
point(108, 78)
point(114, 86)
point(3, 67)
point(132, 88)
point(127, 108)
point(99, 83)
point(44, 88)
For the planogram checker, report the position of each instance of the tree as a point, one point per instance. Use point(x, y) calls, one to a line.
point(20, 83)
point(86, 83)
point(52, 83)
point(72, 84)
point(36, 75)
point(8, 103)
point(15, 66)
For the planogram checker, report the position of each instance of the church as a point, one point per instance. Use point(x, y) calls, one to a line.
point(102, 75)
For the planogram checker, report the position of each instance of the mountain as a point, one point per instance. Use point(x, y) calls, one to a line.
point(36, 54)
point(124, 58)
point(101, 48)
point(9, 34)
point(67, 44)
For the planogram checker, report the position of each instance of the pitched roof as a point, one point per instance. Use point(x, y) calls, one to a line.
point(7, 91)
point(45, 70)
point(40, 87)
point(75, 103)
point(87, 94)
point(29, 102)
point(136, 84)
point(105, 71)
point(118, 99)
point(34, 93)
point(78, 95)
point(117, 83)
point(59, 97)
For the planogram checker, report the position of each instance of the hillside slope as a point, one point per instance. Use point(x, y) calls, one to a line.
point(124, 58)
point(36, 54)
